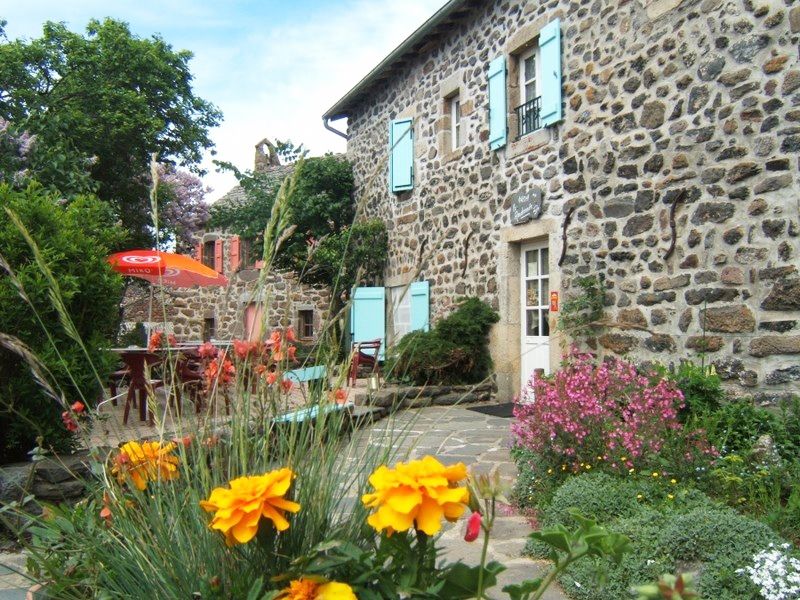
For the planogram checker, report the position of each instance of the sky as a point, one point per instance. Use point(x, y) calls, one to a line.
point(273, 67)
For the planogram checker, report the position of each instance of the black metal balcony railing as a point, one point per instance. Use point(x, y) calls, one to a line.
point(528, 116)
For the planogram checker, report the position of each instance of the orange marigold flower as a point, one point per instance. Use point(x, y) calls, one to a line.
point(148, 461)
point(313, 589)
point(239, 509)
point(418, 493)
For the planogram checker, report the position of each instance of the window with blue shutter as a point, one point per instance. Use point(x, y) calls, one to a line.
point(550, 53)
point(368, 315)
point(420, 305)
point(498, 108)
point(401, 163)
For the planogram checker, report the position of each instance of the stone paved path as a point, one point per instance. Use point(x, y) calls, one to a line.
point(456, 434)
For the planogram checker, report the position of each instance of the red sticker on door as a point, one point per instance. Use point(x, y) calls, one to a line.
point(553, 301)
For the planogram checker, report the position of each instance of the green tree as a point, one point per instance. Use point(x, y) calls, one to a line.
point(104, 101)
point(74, 240)
point(326, 246)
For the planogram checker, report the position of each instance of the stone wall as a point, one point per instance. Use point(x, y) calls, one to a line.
point(185, 310)
point(661, 98)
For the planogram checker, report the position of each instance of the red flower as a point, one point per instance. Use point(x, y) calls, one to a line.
point(286, 384)
point(340, 396)
point(290, 334)
point(272, 377)
point(156, 341)
point(78, 407)
point(241, 349)
point(292, 351)
point(172, 340)
point(207, 350)
point(69, 422)
point(473, 527)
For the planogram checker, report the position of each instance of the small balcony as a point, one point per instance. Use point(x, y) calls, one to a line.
point(528, 116)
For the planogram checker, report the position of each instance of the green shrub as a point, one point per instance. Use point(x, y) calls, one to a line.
point(640, 566)
point(455, 351)
point(701, 387)
point(74, 241)
point(671, 528)
point(735, 428)
point(596, 495)
point(723, 541)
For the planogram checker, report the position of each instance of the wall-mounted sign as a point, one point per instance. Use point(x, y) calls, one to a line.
point(554, 301)
point(526, 205)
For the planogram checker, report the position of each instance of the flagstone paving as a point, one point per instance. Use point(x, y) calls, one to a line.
point(456, 434)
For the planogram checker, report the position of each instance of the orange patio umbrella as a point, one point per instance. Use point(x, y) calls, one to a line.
point(165, 268)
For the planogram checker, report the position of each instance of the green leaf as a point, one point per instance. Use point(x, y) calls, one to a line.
point(461, 581)
point(523, 590)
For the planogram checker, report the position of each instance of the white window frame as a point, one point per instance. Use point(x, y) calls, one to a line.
point(530, 52)
point(456, 124)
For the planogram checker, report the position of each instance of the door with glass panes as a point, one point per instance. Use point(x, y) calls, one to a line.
point(535, 305)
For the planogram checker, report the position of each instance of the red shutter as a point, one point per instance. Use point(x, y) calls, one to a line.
point(235, 259)
point(198, 252)
point(218, 256)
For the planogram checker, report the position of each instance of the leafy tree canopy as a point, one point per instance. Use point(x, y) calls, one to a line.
point(73, 239)
point(326, 246)
point(104, 101)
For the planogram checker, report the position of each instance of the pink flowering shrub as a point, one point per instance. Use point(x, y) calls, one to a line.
point(592, 414)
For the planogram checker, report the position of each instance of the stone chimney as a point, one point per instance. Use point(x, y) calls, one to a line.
point(266, 159)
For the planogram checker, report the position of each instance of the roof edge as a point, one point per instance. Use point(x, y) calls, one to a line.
point(339, 109)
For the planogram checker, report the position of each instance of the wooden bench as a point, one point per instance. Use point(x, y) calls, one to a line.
point(306, 375)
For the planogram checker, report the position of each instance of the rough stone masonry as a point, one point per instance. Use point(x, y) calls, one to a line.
point(661, 98)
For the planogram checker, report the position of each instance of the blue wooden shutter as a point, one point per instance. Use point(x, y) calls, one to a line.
point(550, 57)
point(368, 315)
point(401, 145)
point(420, 305)
point(498, 106)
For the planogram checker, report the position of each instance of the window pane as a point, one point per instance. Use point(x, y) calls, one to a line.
point(531, 293)
point(532, 263)
point(545, 323)
point(530, 91)
point(532, 325)
point(545, 298)
point(545, 263)
point(530, 68)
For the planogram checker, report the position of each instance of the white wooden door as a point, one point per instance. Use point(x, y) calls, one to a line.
point(535, 307)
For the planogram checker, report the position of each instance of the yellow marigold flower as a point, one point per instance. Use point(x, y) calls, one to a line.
point(149, 461)
point(310, 589)
point(416, 494)
point(240, 508)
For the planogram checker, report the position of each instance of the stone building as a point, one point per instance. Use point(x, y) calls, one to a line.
point(520, 145)
point(236, 310)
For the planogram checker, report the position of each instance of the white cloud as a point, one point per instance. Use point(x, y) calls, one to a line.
point(293, 73)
